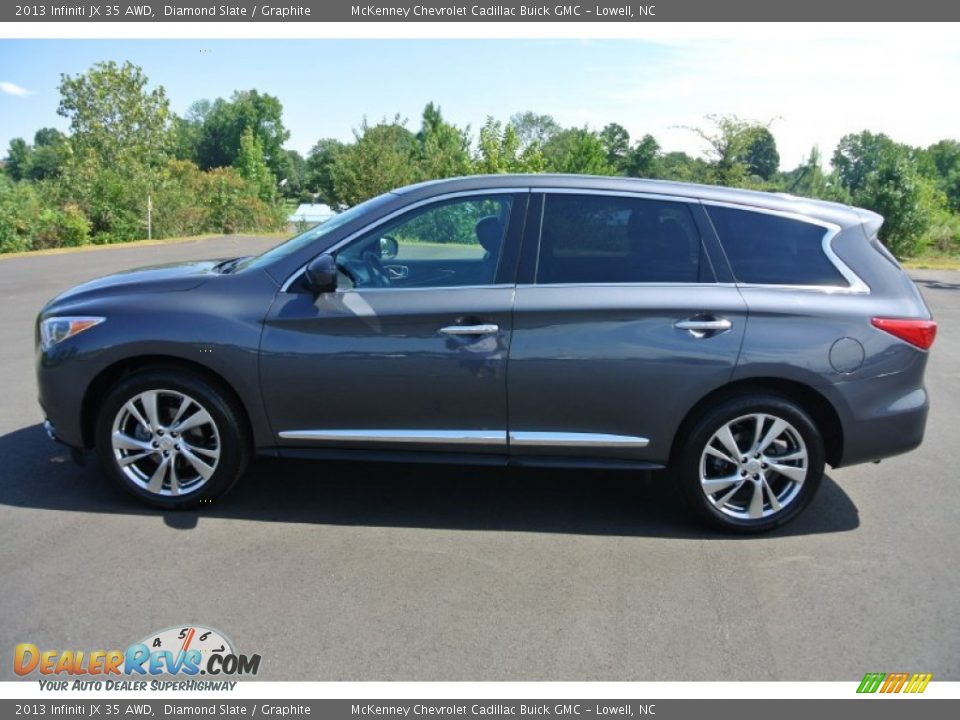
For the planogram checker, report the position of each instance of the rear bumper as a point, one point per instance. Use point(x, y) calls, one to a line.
point(885, 431)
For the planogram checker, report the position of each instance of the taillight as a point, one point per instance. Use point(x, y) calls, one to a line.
point(920, 333)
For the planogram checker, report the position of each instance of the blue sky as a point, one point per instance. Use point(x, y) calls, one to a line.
point(815, 90)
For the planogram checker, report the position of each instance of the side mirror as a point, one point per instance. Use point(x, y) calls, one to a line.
point(321, 274)
point(388, 248)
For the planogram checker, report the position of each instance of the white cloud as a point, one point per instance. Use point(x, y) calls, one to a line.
point(11, 89)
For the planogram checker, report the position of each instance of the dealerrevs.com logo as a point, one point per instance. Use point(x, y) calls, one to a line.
point(185, 651)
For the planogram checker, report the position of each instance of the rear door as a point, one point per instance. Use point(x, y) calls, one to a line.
point(621, 324)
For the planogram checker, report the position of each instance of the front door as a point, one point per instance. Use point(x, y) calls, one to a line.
point(410, 352)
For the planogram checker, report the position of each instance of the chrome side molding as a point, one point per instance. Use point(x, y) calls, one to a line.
point(471, 437)
point(574, 439)
point(453, 437)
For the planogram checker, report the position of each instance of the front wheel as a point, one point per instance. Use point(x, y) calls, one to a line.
point(751, 463)
point(171, 439)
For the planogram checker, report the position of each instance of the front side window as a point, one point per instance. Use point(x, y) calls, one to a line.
point(615, 239)
point(765, 249)
point(301, 241)
point(451, 243)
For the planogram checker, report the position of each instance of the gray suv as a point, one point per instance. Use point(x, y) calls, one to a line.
point(741, 339)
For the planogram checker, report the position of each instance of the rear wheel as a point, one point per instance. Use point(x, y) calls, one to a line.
point(171, 439)
point(751, 463)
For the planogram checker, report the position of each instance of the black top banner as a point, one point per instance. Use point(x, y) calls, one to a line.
point(484, 11)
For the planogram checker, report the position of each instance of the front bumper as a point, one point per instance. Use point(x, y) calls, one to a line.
point(78, 455)
point(62, 381)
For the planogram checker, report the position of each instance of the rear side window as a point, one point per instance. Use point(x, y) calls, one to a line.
point(614, 239)
point(769, 249)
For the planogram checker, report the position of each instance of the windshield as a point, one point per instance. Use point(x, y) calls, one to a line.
point(301, 241)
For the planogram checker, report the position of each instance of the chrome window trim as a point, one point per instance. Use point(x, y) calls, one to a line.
point(396, 213)
point(635, 285)
point(616, 193)
point(498, 286)
point(856, 283)
point(471, 437)
point(575, 439)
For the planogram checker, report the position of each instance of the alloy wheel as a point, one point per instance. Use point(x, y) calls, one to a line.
point(165, 442)
point(754, 466)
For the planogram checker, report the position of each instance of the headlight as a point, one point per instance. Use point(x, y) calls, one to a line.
point(57, 329)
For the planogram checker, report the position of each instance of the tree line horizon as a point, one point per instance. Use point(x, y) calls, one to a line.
point(222, 167)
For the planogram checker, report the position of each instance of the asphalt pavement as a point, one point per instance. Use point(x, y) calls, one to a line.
point(355, 571)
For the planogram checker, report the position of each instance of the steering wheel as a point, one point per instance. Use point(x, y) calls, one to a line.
point(375, 271)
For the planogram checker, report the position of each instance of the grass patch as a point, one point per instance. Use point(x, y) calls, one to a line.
point(933, 261)
point(137, 243)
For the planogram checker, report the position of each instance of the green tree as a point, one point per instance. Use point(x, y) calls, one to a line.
point(293, 173)
point(319, 178)
point(383, 157)
point(221, 124)
point(882, 176)
point(112, 197)
point(680, 167)
point(499, 151)
point(18, 160)
point(115, 116)
point(810, 180)
point(944, 162)
point(858, 157)
point(252, 167)
point(19, 209)
point(616, 141)
point(728, 148)
point(51, 152)
point(577, 150)
point(643, 159)
point(533, 130)
point(444, 148)
point(760, 153)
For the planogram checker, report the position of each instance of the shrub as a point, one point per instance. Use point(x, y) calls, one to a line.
point(74, 228)
point(178, 201)
point(19, 210)
point(53, 228)
point(233, 206)
point(944, 233)
point(105, 238)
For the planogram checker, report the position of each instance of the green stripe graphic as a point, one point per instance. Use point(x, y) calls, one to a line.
point(871, 682)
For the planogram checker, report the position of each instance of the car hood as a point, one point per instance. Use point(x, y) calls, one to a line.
point(174, 277)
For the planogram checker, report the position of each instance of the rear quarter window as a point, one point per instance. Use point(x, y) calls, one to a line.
point(767, 249)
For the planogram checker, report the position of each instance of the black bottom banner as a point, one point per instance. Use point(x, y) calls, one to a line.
point(875, 708)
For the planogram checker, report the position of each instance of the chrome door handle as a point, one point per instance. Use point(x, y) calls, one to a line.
point(701, 328)
point(487, 329)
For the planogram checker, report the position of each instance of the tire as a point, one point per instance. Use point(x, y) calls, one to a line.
point(197, 433)
point(752, 493)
